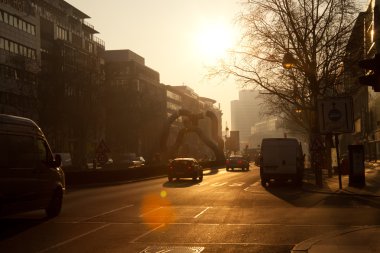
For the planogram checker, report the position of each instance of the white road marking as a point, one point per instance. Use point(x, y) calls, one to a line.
point(218, 184)
point(199, 214)
point(151, 211)
point(98, 215)
point(146, 233)
point(73, 239)
point(237, 184)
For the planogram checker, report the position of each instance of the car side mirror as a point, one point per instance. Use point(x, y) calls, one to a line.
point(57, 160)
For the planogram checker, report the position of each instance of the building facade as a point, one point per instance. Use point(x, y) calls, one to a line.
point(245, 113)
point(71, 80)
point(19, 58)
point(135, 105)
point(52, 71)
point(362, 45)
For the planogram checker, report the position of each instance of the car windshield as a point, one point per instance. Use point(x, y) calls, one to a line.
point(182, 162)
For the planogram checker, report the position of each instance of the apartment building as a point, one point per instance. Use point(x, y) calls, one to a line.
point(245, 113)
point(135, 105)
point(19, 58)
point(52, 71)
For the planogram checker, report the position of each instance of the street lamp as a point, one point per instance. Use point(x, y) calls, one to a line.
point(288, 61)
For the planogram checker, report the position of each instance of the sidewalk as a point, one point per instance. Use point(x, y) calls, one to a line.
point(361, 239)
point(331, 185)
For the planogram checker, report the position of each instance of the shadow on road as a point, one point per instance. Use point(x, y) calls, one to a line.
point(311, 196)
point(238, 170)
point(181, 183)
point(11, 226)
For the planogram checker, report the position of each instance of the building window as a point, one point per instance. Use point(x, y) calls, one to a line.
point(17, 48)
point(17, 22)
point(61, 33)
point(6, 18)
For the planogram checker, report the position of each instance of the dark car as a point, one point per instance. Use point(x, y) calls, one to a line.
point(237, 161)
point(30, 176)
point(185, 167)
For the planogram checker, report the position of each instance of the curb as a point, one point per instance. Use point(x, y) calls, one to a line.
point(306, 245)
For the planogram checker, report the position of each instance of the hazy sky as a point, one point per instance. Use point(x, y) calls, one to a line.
point(177, 38)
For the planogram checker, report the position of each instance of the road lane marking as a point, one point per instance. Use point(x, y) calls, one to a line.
point(237, 184)
point(146, 233)
point(199, 214)
point(151, 211)
point(73, 239)
point(98, 215)
point(219, 184)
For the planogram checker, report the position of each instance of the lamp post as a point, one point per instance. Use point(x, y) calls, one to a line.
point(226, 142)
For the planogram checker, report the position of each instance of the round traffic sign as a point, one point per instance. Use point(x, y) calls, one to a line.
point(334, 114)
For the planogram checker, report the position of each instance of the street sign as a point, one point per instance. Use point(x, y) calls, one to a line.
point(101, 158)
point(101, 153)
point(102, 147)
point(335, 115)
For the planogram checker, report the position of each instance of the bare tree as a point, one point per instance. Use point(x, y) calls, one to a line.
point(313, 32)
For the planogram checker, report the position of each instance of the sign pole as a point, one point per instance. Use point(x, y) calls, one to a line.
point(338, 158)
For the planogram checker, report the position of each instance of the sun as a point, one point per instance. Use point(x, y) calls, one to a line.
point(213, 41)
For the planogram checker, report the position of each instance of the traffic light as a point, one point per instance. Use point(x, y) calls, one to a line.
point(372, 77)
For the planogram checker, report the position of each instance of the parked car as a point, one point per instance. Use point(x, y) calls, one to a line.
point(185, 167)
point(138, 161)
point(30, 176)
point(237, 161)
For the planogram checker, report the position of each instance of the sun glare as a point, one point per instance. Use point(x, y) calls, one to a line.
point(213, 41)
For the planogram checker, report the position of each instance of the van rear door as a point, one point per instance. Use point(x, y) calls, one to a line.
point(279, 156)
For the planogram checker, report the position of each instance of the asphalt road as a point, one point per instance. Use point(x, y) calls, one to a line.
point(226, 212)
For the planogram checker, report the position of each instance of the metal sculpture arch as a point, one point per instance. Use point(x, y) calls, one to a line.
point(217, 147)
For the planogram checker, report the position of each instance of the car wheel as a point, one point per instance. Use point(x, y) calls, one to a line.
point(201, 177)
point(170, 178)
point(55, 204)
point(227, 169)
point(194, 179)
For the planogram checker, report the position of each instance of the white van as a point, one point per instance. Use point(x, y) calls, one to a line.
point(30, 177)
point(281, 159)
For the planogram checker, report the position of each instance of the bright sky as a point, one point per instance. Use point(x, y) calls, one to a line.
point(177, 38)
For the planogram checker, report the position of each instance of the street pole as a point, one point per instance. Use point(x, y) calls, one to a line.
point(338, 158)
point(376, 23)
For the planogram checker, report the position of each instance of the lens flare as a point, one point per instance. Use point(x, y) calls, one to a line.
point(156, 208)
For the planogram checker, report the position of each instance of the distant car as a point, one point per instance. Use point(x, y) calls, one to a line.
point(138, 161)
point(237, 161)
point(185, 167)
